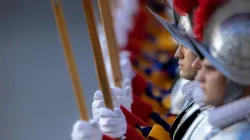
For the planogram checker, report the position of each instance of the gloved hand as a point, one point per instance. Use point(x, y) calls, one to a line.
point(124, 96)
point(122, 26)
point(83, 130)
point(113, 123)
point(124, 54)
point(126, 66)
point(127, 70)
point(130, 6)
point(127, 83)
point(119, 97)
point(98, 102)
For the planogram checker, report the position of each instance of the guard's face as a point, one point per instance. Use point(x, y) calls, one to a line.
point(212, 82)
point(186, 58)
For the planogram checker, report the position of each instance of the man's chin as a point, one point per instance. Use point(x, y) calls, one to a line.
point(185, 75)
point(211, 102)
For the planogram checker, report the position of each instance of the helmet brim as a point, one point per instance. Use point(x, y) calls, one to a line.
point(204, 50)
point(175, 32)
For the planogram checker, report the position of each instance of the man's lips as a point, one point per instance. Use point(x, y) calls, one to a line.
point(180, 65)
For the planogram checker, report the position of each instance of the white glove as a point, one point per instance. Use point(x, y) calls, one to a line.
point(126, 66)
point(122, 25)
point(98, 103)
point(127, 70)
point(121, 32)
point(124, 19)
point(130, 6)
point(83, 130)
point(124, 54)
point(124, 96)
point(127, 83)
point(113, 123)
point(119, 97)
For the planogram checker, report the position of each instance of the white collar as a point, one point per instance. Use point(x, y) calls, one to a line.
point(199, 96)
point(230, 113)
point(188, 89)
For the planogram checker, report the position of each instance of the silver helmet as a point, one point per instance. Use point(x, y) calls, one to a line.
point(227, 34)
point(180, 29)
point(226, 44)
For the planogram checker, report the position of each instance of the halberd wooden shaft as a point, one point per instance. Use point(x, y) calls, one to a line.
point(96, 47)
point(108, 25)
point(69, 56)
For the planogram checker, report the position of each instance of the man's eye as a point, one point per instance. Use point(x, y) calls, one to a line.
point(210, 68)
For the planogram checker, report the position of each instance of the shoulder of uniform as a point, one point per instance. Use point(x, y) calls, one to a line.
point(237, 131)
